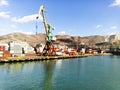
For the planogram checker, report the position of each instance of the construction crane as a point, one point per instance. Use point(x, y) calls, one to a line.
point(48, 49)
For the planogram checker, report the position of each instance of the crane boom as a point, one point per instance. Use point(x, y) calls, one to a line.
point(47, 26)
point(42, 10)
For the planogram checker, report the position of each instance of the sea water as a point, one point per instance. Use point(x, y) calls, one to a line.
point(88, 73)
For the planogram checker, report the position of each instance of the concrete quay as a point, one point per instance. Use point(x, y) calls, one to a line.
point(42, 58)
point(37, 58)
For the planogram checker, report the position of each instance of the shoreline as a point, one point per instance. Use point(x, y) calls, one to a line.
point(43, 58)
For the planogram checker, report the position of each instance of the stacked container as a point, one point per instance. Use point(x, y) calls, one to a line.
point(29, 51)
point(6, 46)
point(2, 49)
point(6, 54)
point(15, 48)
point(20, 48)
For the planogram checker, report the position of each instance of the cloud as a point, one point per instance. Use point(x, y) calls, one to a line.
point(112, 30)
point(13, 26)
point(16, 29)
point(71, 32)
point(20, 31)
point(115, 3)
point(26, 19)
point(4, 3)
point(113, 27)
point(98, 26)
point(62, 33)
point(12, 29)
point(6, 30)
point(4, 15)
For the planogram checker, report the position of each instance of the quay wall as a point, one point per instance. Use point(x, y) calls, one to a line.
point(41, 58)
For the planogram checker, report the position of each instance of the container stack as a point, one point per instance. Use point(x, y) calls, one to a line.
point(2, 49)
point(29, 51)
point(6, 46)
point(15, 48)
point(6, 54)
point(18, 48)
point(39, 48)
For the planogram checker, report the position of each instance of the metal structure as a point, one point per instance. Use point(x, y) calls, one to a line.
point(49, 48)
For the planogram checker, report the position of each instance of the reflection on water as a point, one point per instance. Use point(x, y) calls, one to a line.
point(16, 68)
point(49, 72)
point(40, 73)
point(91, 73)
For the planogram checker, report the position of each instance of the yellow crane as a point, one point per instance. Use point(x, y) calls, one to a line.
point(48, 49)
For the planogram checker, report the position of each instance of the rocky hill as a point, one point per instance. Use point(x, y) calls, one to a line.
point(88, 40)
point(61, 39)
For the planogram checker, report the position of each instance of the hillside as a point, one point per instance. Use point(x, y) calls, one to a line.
point(61, 39)
point(88, 40)
point(31, 39)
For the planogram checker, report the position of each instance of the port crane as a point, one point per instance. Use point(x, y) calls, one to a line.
point(48, 49)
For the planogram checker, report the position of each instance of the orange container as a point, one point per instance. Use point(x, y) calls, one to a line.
point(65, 50)
point(6, 54)
point(30, 54)
point(2, 48)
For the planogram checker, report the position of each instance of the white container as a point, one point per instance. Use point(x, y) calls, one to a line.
point(1, 55)
point(1, 52)
point(59, 53)
point(54, 38)
point(83, 50)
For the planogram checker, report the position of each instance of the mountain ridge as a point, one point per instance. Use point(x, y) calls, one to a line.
point(33, 39)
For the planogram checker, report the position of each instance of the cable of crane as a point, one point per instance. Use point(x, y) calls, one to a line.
point(47, 17)
point(36, 26)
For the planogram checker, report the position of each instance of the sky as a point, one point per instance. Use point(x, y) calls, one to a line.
point(69, 17)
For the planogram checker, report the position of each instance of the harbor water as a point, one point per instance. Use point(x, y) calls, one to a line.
point(88, 73)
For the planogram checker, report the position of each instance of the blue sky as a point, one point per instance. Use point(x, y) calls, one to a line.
point(71, 17)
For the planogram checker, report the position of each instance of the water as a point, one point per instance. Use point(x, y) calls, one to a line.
point(90, 73)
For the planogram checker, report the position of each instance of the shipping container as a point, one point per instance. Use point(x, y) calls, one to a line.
point(1, 55)
point(20, 48)
point(2, 48)
point(6, 54)
point(6, 46)
point(30, 54)
point(16, 55)
point(16, 51)
point(1, 52)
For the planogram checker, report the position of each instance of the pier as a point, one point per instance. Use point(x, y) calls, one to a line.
point(37, 58)
point(42, 58)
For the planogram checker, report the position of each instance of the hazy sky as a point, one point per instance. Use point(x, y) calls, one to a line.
point(72, 17)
